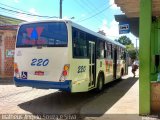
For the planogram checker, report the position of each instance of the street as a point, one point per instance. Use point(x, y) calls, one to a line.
point(118, 97)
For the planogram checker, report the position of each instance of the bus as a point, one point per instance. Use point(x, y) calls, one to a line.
point(60, 54)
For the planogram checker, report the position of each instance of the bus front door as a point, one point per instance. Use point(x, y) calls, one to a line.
point(92, 62)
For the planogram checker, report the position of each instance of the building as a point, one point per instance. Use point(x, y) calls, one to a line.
point(146, 14)
point(8, 30)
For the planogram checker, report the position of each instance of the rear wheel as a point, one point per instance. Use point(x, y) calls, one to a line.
point(100, 84)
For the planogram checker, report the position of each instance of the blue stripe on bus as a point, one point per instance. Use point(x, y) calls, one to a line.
point(43, 84)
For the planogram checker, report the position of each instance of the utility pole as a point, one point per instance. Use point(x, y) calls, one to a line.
point(60, 9)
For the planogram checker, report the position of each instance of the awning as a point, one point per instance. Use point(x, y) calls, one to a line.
point(131, 7)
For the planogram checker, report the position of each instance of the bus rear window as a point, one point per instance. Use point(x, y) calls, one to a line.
point(50, 34)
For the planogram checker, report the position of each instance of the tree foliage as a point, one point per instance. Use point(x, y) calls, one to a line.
point(129, 46)
point(124, 40)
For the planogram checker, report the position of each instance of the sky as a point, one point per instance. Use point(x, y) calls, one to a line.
point(93, 14)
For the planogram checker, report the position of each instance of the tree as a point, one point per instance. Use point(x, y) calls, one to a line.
point(124, 40)
point(131, 51)
point(129, 46)
point(102, 32)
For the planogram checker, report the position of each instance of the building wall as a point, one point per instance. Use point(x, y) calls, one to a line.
point(7, 47)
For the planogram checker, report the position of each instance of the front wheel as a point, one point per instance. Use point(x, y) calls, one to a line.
point(100, 83)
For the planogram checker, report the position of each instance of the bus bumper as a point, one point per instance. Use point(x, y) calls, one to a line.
point(44, 84)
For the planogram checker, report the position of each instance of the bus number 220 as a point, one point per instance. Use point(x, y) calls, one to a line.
point(81, 69)
point(39, 62)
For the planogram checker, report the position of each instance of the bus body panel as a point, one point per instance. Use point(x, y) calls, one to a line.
point(108, 70)
point(118, 68)
point(42, 66)
point(79, 75)
point(100, 67)
point(51, 67)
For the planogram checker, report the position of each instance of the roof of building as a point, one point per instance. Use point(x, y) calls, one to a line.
point(9, 23)
point(131, 7)
point(5, 20)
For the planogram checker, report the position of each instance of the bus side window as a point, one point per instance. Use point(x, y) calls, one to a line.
point(82, 44)
point(123, 54)
point(109, 51)
point(100, 49)
point(105, 50)
point(89, 38)
point(74, 39)
point(79, 44)
point(118, 52)
point(112, 50)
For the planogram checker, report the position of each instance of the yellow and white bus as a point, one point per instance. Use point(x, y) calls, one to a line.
point(60, 54)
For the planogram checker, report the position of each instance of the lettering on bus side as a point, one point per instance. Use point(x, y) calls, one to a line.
point(39, 62)
point(81, 69)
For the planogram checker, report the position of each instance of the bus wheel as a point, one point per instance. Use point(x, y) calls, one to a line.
point(100, 83)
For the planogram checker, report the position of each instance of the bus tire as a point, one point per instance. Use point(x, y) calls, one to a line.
point(100, 83)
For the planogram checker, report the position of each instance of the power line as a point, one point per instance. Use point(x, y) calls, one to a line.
point(92, 8)
point(24, 12)
point(96, 7)
point(96, 14)
point(13, 14)
point(13, 8)
point(3, 11)
point(82, 6)
point(86, 9)
point(87, 4)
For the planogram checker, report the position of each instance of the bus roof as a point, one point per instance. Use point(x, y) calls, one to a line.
point(79, 27)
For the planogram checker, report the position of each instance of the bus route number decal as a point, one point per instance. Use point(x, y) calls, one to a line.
point(81, 69)
point(39, 62)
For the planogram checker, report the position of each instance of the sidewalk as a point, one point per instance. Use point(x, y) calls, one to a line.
point(127, 106)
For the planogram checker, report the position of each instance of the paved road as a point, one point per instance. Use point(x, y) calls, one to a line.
point(119, 97)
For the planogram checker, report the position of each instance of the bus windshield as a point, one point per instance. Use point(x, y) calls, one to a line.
point(49, 34)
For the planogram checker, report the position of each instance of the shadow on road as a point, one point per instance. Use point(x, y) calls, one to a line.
point(85, 104)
